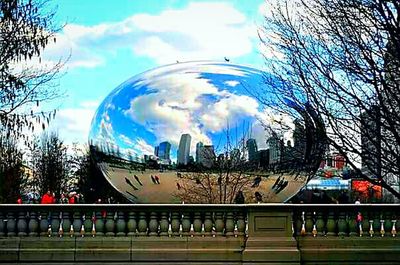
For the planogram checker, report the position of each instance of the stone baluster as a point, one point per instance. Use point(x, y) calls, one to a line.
point(132, 224)
point(197, 224)
point(331, 223)
point(142, 224)
point(44, 224)
point(342, 225)
point(88, 223)
point(121, 224)
point(382, 230)
point(208, 224)
point(98, 225)
point(66, 224)
point(393, 231)
point(309, 223)
point(319, 224)
point(11, 224)
point(164, 224)
point(33, 225)
point(352, 224)
point(55, 223)
point(299, 226)
point(2, 225)
point(219, 223)
point(175, 223)
point(397, 223)
point(376, 223)
point(153, 224)
point(229, 224)
point(22, 224)
point(388, 224)
point(110, 224)
point(77, 223)
point(371, 227)
point(240, 224)
point(186, 224)
point(366, 224)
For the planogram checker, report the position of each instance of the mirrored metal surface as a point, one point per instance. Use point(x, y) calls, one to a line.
point(196, 133)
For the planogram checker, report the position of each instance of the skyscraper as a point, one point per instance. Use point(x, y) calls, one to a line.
point(275, 151)
point(199, 147)
point(251, 145)
point(163, 150)
point(184, 149)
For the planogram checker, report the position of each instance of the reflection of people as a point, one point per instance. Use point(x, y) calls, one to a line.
point(239, 198)
point(138, 180)
point(157, 179)
point(256, 182)
point(130, 183)
point(258, 196)
point(276, 182)
point(153, 179)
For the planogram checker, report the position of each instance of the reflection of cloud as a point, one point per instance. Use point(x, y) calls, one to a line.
point(126, 140)
point(228, 109)
point(143, 147)
point(180, 34)
point(232, 83)
point(187, 103)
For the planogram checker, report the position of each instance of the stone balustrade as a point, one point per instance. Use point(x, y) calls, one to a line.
point(121, 220)
point(379, 220)
point(228, 234)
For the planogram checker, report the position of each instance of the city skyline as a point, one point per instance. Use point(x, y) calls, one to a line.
point(203, 99)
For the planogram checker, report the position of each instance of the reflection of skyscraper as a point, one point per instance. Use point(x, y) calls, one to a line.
point(156, 151)
point(371, 134)
point(184, 149)
point(235, 156)
point(163, 150)
point(251, 145)
point(274, 149)
point(207, 156)
point(199, 146)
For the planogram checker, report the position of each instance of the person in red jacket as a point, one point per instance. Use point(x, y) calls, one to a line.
point(47, 198)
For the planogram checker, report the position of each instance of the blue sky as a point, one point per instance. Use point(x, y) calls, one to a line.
point(111, 41)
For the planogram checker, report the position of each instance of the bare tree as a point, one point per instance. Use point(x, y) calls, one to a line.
point(341, 57)
point(26, 28)
point(12, 175)
point(50, 164)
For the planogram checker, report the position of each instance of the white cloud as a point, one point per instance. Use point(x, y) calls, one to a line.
point(73, 124)
point(232, 83)
point(228, 109)
point(201, 30)
point(143, 147)
point(126, 139)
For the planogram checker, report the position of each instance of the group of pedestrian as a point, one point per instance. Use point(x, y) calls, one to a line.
point(50, 198)
point(155, 179)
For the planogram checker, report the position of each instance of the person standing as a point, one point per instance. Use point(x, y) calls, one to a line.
point(47, 198)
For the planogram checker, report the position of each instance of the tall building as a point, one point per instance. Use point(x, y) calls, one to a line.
point(163, 150)
point(299, 141)
point(184, 149)
point(251, 146)
point(207, 156)
point(156, 150)
point(371, 143)
point(235, 156)
point(199, 147)
point(275, 150)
